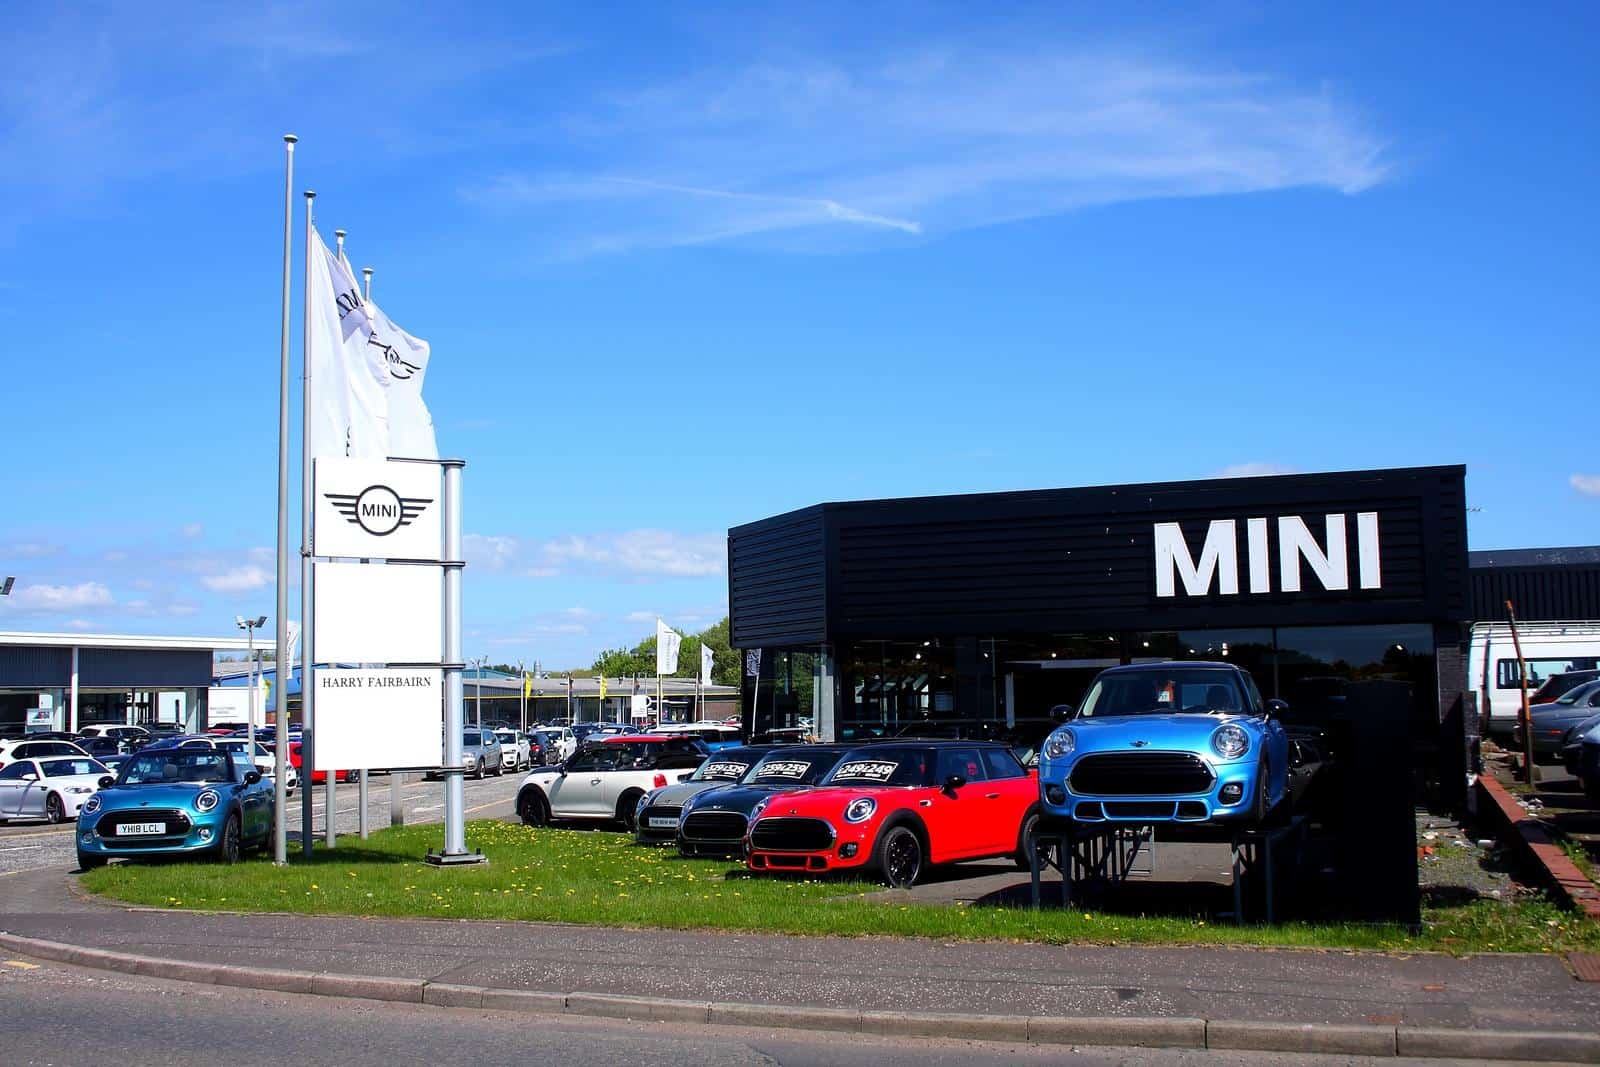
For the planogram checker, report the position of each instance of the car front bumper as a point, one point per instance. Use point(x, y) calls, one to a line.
point(202, 833)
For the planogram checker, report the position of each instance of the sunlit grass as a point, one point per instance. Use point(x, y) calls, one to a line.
point(603, 878)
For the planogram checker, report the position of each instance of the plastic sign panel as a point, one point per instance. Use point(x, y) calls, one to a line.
point(372, 509)
point(378, 613)
point(379, 718)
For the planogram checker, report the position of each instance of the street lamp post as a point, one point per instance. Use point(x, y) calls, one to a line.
point(249, 625)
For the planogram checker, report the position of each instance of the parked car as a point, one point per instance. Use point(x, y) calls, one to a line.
point(177, 801)
point(133, 736)
point(11, 751)
point(714, 821)
point(894, 809)
point(716, 735)
point(604, 780)
point(1559, 685)
point(1552, 721)
point(100, 747)
point(1185, 742)
point(52, 788)
point(483, 748)
point(514, 751)
point(220, 729)
point(656, 821)
point(296, 761)
point(266, 762)
point(564, 744)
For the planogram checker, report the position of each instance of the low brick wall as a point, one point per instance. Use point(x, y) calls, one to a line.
point(1527, 834)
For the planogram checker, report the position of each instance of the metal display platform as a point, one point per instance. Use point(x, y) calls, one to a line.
point(1097, 857)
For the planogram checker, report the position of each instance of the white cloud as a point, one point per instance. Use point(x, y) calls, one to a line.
point(181, 609)
point(936, 138)
point(641, 616)
point(192, 530)
point(1587, 484)
point(631, 553)
point(236, 580)
point(29, 550)
point(63, 597)
point(1252, 470)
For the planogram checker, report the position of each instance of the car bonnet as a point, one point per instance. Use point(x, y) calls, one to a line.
point(1160, 733)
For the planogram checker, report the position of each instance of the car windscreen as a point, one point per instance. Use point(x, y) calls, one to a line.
point(61, 768)
point(472, 738)
point(726, 767)
point(1581, 693)
point(887, 765)
point(1162, 692)
point(793, 767)
point(175, 766)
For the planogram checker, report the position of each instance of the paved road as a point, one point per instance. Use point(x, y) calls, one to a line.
point(34, 845)
point(147, 1021)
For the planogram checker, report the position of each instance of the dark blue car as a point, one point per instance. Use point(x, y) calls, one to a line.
point(1185, 742)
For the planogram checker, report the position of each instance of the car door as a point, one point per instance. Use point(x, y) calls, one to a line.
point(577, 791)
point(1011, 791)
point(254, 802)
point(961, 825)
point(11, 786)
point(31, 792)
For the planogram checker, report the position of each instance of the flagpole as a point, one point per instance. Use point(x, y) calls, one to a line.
point(307, 691)
point(338, 238)
point(330, 827)
point(366, 276)
point(280, 795)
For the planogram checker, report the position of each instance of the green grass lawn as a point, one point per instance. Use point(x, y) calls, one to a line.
point(603, 878)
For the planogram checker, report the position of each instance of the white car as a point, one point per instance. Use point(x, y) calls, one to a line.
point(515, 754)
point(117, 730)
point(566, 742)
point(265, 762)
point(11, 751)
point(604, 781)
point(51, 788)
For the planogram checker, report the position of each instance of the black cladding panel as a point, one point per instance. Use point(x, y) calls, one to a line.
point(777, 581)
point(1085, 559)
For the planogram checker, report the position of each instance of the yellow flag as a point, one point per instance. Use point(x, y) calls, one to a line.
point(602, 687)
point(527, 685)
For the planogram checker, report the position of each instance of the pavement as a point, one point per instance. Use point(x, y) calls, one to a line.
point(979, 989)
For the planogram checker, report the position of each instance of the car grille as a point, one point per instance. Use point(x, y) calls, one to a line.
point(1135, 774)
point(713, 826)
point(176, 822)
point(654, 812)
point(791, 835)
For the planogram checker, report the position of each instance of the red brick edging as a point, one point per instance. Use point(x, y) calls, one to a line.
point(1559, 870)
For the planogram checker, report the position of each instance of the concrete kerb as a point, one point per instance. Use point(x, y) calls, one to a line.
point(1113, 1031)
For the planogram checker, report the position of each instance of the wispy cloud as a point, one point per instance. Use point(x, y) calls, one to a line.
point(53, 598)
point(237, 580)
point(1587, 484)
point(1255, 469)
point(931, 140)
point(631, 554)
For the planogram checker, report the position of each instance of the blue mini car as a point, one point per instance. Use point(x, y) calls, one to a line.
point(1177, 742)
point(177, 801)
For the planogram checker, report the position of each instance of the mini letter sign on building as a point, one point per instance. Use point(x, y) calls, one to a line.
point(1217, 569)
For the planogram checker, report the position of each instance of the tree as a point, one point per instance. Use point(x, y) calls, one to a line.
point(641, 659)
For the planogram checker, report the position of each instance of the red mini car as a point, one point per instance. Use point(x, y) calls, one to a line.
point(893, 809)
point(318, 777)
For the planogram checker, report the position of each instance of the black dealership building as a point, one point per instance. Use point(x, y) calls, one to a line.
point(877, 615)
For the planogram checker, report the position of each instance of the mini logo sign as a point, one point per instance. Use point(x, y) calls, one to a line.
point(378, 509)
point(1216, 571)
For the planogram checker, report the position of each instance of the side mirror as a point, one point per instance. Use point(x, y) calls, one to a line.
point(1061, 713)
point(252, 777)
point(1277, 709)
point(106, 781)
point(954, 782)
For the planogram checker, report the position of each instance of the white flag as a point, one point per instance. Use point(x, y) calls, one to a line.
point(410, 425)
point(706, 660)
point(349, 376)
point(667, 644)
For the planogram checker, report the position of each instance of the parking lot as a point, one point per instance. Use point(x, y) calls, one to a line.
point(28, 846)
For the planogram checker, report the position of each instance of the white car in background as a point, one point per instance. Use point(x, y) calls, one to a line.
point(515, 755)
point(265, 761)
point(52, 788)
point(11, 751)
point(604, 780)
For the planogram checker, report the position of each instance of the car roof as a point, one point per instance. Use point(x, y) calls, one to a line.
point(622, 738)
point(926, 742)
point(1167, 664)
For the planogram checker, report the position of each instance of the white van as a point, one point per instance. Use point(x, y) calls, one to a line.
point(1547, 647)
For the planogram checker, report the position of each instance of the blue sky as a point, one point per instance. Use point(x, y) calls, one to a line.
point(684, 266)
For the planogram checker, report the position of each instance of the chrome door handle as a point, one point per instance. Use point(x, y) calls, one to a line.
point(991, 796)
point(594, 781)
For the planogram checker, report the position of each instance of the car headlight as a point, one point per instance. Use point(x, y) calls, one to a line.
point(1061, 743)
point(91, 805)
point(469, 760)
point(1230, 741)
point(80, 789)
point(761, 806)
point(860, 809)
point(644, 801)
point(207, 800)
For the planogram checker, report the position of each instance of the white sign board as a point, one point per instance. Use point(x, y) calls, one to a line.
point(379, 718)
point(233, 703)
point(375, 509)
point(376, 613)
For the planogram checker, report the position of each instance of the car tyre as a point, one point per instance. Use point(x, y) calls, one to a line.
point(229, 845)
point(54, 810)
point(478, 772)
point(898, 858)
point(1030, 826)
point(89, 862)
point(1264, 812)
point(532, 808)
point(627, 804)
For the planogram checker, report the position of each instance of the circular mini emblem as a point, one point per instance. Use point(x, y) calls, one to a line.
point(378, 510)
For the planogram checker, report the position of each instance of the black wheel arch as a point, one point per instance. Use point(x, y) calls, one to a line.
point(917, 826)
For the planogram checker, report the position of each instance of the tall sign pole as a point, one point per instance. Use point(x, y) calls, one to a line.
point(280, 838)
point(455, 826)
point(307, 688)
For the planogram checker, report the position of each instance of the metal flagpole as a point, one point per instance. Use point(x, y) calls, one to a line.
point(338, 239)
point(250, 723)
point(455, 830)
point(280, 756)
point(307, 691)
point(366, 277)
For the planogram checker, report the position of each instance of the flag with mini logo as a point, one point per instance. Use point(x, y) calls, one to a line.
point(668, 642)
point(349, 378)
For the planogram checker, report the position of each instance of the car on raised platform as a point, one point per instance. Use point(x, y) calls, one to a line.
point(604, 779)
point(1171, 742)
point(714, 822)
point(177, 801)
point(656, 821)
point(893, 809)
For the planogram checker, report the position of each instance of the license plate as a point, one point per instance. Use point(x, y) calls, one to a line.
point(658, 823)
point(129, 829)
